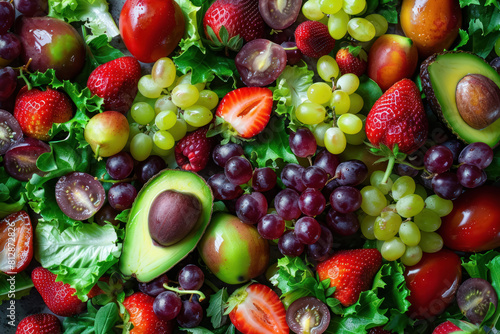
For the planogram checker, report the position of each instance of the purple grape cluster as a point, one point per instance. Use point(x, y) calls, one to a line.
point(472, 160)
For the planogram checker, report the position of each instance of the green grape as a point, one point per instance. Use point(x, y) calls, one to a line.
point(312, 11)
point(197, 115)
point(410, 205)
point(319, 92)
point(379, 22)
point(357, 103)
point(430, 242)
point(141, 146)
point(367, 226)
point(393, 249)
point(335, 141)
point(172, 86)
point(163, 72)
point(412, 255)
point(337, 24)
point(361, 29)
point(165, 119)
point(376, 180)
point(330, 6)
point(340, 102)
point(208, 99)
point(148, 87)
point(427, 220)
point(420, 190)
point(310, 113)
point(134, 129)
point(386, 225)
point(319, 133)
point(327, 68)
point(164, 140)
point(349, 124)
point(440, 206)
point(356, 139)
point(185, 95)
point(164, 102)
point(159, 152)
point(190, 128)
point(186, 79)
point(373, 201)
point(348, 83)
point(142, 113)
point(409, 233)
point(354, 7)
point(403, 186)
point(179, 130)
point(497, 47)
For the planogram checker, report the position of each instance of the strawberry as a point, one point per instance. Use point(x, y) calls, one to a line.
point(140, 309)
point(59, 297)
point(446, 327)
point(398, 117)
point(258, 310)
point(37, 110)
point(352, 60)
point(313, 39)
point(351, 271)
point(116, 82)
point(193, 151)
point(42, 323)
point(245, 111)
point(239, 17)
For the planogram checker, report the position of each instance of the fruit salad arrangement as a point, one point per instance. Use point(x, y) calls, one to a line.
point(250, 166)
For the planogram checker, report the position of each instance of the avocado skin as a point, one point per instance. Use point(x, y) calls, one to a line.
point(463, 131)
point(141, 257)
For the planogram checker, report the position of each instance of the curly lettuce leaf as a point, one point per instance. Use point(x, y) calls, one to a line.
point(21, 287)
point(11, 194)
point(78, 255)
point(484, 25)
point(192, 13)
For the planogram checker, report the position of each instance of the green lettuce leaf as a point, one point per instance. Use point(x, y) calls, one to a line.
point(93, 13)
point(191, 36)
point(93, 321)
point(21, 287)
point(271, 147)
point(483, 17)
point(12, 198)
point(79, 255)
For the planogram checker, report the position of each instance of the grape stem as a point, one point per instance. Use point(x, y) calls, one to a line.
point(130, 179)
point(291, 49)
point(185, 292)
point(21, 73)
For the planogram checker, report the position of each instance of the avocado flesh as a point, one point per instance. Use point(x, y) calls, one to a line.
point(440, 75)
point(140, 257)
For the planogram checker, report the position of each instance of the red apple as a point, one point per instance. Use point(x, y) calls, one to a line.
point(391, 58)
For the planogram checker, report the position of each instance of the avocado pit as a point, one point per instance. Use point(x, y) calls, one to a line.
point(172, 216)
point(478, 100)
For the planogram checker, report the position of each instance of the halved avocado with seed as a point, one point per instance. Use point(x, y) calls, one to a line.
point(144, 258)
point(442, 73)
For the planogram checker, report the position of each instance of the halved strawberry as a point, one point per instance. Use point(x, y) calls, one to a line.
point(16, 242)
point(258, 310)
point(245, 111)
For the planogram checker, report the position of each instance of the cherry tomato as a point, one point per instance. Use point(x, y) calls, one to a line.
point(151, 29)
point(16, 242)
point(474, 223)
point(433, 283)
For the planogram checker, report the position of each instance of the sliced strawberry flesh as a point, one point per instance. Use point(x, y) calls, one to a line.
point(16, 242)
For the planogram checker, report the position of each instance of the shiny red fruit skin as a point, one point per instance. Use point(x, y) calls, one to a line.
point(16, 229)
point(474, 223)
point(151, 29)
point(433, 283)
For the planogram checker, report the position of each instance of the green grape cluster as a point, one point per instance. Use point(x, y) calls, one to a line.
point(403, 219)
point(336, 14)
point(172, 108)
point(348, 125)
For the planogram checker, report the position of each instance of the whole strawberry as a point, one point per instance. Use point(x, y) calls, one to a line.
point(140, 308)
point(193, 151)
point(313, 39)
point(59, 297)
point(351, 272)
point(37, 110)
point(42, 323)
point(239, 17)
point(446, 327)
point(352, 60)
point(116, 82)
point(398, 117)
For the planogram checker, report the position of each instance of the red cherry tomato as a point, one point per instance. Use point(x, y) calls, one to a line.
point(474, 223)
point(16, 242)
point(151, 29)
point(433, 283)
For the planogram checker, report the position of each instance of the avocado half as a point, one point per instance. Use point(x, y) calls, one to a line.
point(440, 74)
point(140, 257)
